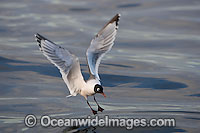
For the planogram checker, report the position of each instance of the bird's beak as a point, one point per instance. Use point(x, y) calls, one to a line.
point(103, 94)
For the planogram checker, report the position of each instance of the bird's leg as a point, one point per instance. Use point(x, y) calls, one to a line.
point(93, 111)
point(99, 108)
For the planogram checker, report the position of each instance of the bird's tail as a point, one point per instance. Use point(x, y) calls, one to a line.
point(69, 96)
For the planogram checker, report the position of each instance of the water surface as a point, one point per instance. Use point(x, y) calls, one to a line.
point(153, 70)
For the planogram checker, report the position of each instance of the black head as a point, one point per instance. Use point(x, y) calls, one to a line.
point(99, 89)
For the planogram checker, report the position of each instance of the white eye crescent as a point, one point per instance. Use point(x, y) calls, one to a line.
point(98, 89)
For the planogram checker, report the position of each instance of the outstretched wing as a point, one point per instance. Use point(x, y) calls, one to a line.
point(67, 63)
point(101, 44)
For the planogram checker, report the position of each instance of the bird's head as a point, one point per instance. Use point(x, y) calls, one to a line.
point(99, 89)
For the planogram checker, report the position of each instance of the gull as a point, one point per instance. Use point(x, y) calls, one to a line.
point(69, 66)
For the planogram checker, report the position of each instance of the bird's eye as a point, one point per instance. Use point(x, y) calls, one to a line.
point(98, 89)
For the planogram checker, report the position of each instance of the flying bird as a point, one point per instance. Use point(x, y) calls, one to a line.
point(69, 65)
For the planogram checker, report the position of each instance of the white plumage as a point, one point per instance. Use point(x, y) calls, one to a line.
point(69, 65)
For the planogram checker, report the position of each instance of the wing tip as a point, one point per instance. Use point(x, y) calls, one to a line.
point(38, 39)
point(38, 36)
point(116, 19)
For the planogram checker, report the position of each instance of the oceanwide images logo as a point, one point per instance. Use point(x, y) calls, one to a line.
point(129, 123)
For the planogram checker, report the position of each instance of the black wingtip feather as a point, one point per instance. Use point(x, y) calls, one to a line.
point(115, 19)
point(40, 37)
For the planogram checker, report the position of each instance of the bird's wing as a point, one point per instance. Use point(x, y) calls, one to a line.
point(101, 44)
point(67, 63)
